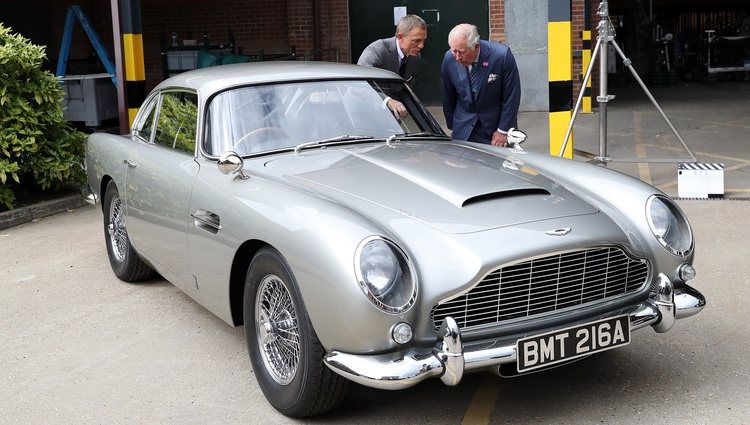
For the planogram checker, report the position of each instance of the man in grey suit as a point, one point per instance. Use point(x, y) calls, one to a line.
point(481, 87)
point(399, 54)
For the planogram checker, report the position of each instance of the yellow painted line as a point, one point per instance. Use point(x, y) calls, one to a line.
point(481, 406)
point(673, 183)
point(640, 150)
point(724, 157)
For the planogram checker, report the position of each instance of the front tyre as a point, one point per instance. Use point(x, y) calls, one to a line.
point(285, 352)
point(125, 262)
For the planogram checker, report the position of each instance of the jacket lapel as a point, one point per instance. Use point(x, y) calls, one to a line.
point(483, 71)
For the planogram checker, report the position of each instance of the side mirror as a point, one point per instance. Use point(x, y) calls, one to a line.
point(231, 163)
point(515, 138)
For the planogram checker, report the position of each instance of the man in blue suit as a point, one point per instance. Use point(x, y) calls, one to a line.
point(481, 87)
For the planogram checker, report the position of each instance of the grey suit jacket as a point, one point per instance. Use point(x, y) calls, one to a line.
point(382, 54)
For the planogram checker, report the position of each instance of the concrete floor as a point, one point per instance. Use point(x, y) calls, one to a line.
point(78, 346)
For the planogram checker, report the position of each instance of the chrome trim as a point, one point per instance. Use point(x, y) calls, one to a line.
point(558, 232)
point(363, 285)
point(517, 295)
point(663, 299)
point(449, 360)
point(88, 195)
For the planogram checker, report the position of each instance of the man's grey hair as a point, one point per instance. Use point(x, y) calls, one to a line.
point(408, 23)
point(465, 31)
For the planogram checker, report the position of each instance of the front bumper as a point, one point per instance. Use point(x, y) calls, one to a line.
point(450, 359)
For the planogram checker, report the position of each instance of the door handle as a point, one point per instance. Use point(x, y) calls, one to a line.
point(207, 221)
point(129, 163)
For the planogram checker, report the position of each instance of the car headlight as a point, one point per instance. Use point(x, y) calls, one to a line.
point(385, 275)
point(669, 225)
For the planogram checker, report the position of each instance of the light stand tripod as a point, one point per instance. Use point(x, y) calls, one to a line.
point(606, 36)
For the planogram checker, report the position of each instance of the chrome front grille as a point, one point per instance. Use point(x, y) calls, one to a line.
point(545, 285)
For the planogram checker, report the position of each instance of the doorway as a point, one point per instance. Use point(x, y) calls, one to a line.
point(374, 20)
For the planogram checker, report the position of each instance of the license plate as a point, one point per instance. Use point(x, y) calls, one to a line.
point(562, 345)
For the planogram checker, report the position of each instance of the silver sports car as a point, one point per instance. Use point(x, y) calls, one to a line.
point(356, 244)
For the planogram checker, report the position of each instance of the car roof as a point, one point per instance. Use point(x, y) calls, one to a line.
point(218, 78)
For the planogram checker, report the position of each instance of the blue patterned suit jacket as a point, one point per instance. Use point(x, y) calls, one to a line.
point(498, 97)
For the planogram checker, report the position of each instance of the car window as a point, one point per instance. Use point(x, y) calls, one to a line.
point(256, 119)
point(145, 126)
point(177, 121)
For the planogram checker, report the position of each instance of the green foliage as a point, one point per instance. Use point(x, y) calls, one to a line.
point(177, 121)
point(38, 148)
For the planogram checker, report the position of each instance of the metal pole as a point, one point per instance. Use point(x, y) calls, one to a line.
point(603, 98)
point(586, 78)
point(629, 65)
point(119, 66)
point(606, 36)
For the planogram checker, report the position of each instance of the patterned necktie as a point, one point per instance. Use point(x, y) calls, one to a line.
point(473, 81)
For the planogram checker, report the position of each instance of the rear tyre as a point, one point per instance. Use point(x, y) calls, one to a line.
point(125, 262)
point(285, 352)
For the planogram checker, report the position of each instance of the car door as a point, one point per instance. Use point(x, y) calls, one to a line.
point(160, 177)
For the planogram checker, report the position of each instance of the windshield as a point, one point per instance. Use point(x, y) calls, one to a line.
point(257, 119)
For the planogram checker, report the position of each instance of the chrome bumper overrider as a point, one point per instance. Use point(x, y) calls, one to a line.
point(449, 359)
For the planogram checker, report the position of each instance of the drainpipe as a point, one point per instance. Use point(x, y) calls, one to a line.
point(121, 108)
point(316, 29)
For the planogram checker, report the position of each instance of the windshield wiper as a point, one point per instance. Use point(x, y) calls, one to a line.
point(401, 136)
point(419, 134)
point(341, 138)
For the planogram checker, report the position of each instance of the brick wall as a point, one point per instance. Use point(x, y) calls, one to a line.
point(577, 24)
point(258, 26)
point(270, 27)
point(497, 20)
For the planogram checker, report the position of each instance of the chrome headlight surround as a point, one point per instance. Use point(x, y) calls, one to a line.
point(385, 275)
point(669, 225)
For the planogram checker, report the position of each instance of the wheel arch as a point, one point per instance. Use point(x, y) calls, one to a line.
point(242, 258)
point(103, 188)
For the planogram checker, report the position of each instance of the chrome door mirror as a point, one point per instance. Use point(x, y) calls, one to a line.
point(515, 138)
point(231, 163)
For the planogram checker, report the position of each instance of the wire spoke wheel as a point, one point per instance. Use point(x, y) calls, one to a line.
point(118, 235)
point(285, 351)
point(278, 329)
point(125, 262)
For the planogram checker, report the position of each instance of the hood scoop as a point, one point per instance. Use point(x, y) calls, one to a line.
point(505, 194)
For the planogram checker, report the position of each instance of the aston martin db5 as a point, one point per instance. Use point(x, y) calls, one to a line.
point(359, 245)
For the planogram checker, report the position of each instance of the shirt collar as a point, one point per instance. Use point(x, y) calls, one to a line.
point(401, 54)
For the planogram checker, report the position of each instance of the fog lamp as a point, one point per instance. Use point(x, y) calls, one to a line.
point(687, 272)
point(402, 333)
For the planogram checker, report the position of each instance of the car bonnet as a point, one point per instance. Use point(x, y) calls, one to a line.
point(454, 187)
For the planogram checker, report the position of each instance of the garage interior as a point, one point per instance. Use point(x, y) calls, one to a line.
point(684, 40)
point(668, 40)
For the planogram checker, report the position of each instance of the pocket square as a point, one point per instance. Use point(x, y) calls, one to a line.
point(492, 78)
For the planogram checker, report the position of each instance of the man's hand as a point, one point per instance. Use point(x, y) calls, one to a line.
point(398, 109)
point(499, 139)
